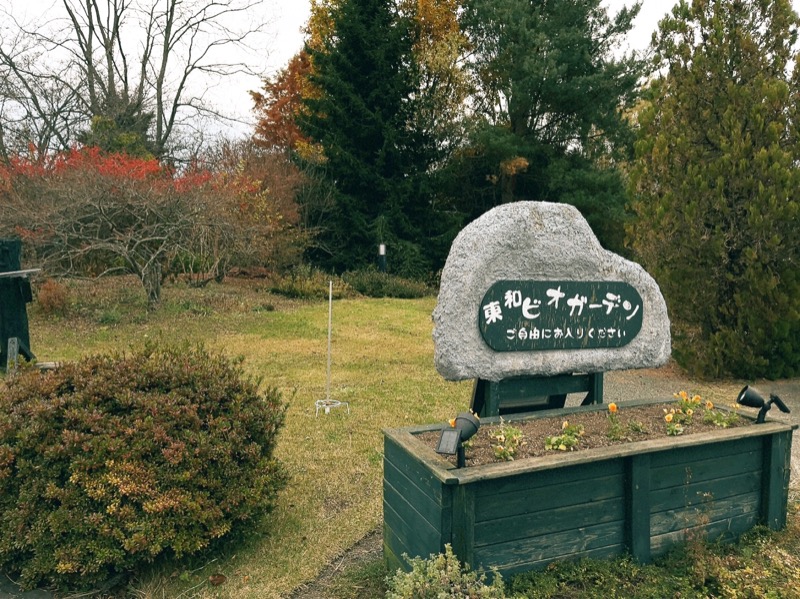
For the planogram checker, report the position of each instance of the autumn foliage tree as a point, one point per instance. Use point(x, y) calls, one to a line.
point(86, 212)
point(278, 105)
point(440, 49)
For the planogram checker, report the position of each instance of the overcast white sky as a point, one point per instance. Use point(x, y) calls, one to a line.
point(290, 16)
point(284, 38)
point(293, 14)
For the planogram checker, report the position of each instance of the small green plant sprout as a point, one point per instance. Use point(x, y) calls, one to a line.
point(614, 425)
point(686, 408)
point(567, 440)
point(442, 576)
point(505, 441)
point(674, 428)
point(637, 427)
point(718, 417)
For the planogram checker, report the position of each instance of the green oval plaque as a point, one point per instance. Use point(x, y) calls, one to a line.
point(549, 315)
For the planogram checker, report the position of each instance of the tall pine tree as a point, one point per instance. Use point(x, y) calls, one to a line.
point(364, 77)
point(715, 185)
point(548, 106)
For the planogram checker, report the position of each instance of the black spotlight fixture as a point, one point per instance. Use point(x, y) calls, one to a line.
point(752, 399)
point(451, 441)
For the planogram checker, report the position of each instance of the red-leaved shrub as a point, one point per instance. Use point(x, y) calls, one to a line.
point(52, 297)
point(111, 461)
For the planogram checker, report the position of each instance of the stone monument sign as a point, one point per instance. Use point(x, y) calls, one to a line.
point(527, 290)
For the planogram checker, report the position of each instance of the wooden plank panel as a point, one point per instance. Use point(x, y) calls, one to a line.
point(463, 532)
point(516, 389)
point(411, 468)
point(637, 504)
point(419, 538)
point(549, 497)
point(775, 484)
point(704, 492)
point(393, 550)
point(680, 472)
point(526, 482)
point(413, 508)
point(713, 511)
point(422, 499)
point(748, 439)
point(691, 453)
point(608, 552)
point(723, 530)
point(575, 542)
point(538, 524)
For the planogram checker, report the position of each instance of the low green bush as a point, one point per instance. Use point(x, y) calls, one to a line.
point(373, 283)
point(111, 461)
point(308, 283)
point(442, 576)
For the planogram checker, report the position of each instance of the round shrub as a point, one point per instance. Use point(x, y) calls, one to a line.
point(111, 461)
point(53, 298)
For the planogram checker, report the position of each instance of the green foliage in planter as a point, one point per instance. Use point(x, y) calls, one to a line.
point(505, 441)
point(567, 440)
point(109, 462)
point(441, 576)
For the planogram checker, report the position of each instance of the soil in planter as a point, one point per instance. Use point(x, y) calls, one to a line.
point(635, 424)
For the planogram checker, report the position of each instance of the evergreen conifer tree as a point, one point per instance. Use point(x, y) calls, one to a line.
point(715, 185)
point(548, 109)
point(364, 78)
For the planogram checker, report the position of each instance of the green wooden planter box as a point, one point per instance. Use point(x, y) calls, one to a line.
point(639, 498)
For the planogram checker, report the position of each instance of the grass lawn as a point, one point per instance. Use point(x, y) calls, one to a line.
point(382, 365)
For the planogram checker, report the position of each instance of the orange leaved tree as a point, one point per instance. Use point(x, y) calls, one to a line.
point(90, 213)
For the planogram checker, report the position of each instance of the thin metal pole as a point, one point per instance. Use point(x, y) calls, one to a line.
point(330, 322)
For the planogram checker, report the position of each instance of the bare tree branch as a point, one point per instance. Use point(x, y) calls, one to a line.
point(89, 52)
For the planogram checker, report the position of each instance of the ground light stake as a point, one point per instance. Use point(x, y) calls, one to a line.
point(328, 403)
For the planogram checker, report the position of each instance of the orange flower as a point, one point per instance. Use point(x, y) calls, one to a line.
point(709, 405)
point(612, 407)
point(668, 417)
point(696, 399)
point(452, 422)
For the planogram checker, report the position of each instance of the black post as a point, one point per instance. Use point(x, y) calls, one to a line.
point(15, 292)
point(461, 456)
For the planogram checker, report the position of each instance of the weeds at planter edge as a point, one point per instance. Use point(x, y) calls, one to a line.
point(762, 564)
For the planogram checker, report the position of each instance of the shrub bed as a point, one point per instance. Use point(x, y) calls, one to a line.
point(111, 461)
point(373, 283)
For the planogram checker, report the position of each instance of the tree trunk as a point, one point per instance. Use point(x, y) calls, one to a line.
point(151, 280)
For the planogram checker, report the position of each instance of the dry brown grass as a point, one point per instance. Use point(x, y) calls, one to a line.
point(382, 365)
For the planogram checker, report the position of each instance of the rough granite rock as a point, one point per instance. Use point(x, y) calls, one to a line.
point(545, 242)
